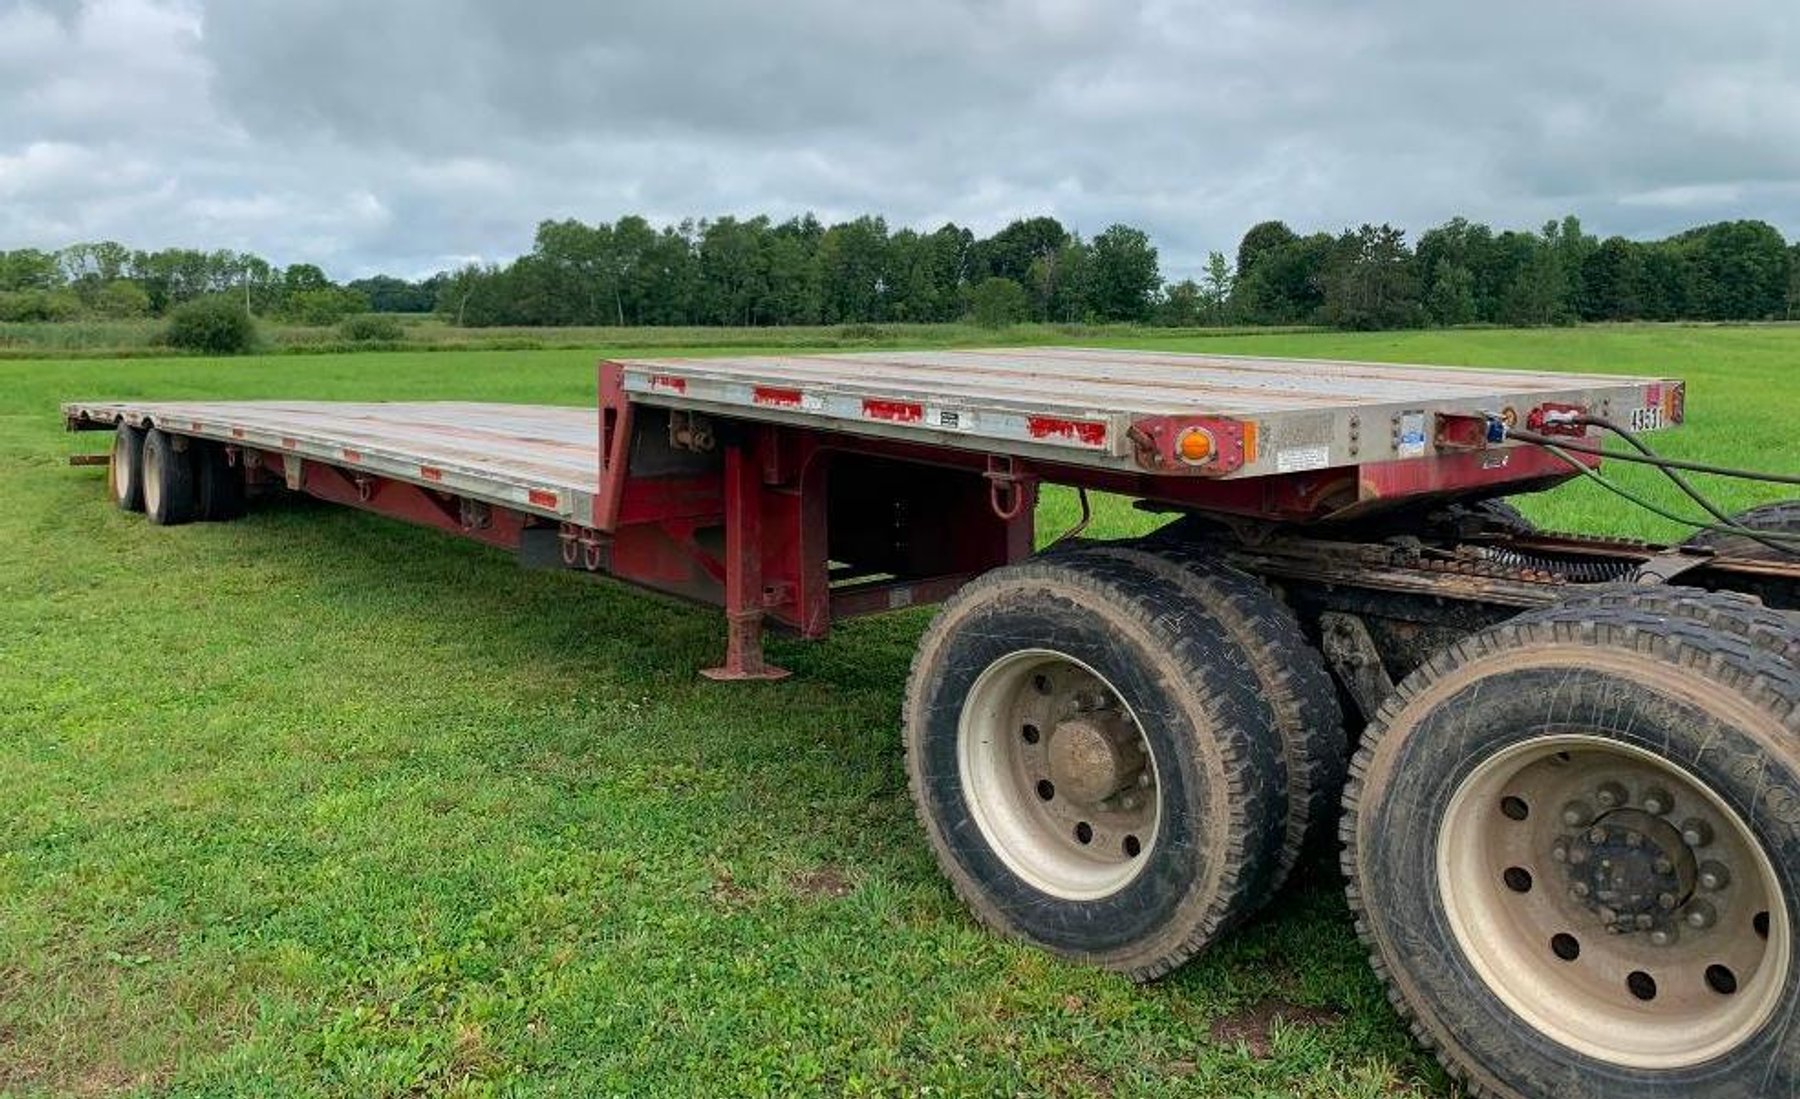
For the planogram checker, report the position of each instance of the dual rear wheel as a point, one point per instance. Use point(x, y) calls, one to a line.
point(1572, 841)
point(1116, 755)
point(1572, 844)
point(174, 479)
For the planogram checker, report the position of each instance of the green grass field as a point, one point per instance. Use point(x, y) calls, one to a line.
point(315, 803)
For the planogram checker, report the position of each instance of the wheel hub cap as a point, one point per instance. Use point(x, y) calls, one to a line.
point(1091, 759)
point(1631, 870)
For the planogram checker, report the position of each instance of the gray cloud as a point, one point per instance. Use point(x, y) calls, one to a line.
point(409, 135)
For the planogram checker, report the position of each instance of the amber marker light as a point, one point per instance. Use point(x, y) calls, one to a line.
point(1195, 446)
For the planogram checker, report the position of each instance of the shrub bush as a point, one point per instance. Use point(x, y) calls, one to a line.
point(372, 328)
point(39, 305)
point(216, 326)
point(324, 306)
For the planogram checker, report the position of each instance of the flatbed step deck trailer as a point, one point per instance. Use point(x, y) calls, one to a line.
point(936, 455)
point(795, 490)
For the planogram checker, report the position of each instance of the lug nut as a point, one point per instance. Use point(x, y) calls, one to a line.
point(1577, 813)
point(1657, 801)
point(1663, 866)
point(1580, 890)
point(1666, 901)
point(1611, 795)
point(1559, 851)
point(1700, 915)
point(1597, 835)
point(1696, 832)
point(1634, 839)
point(1664, 936)
point(1714, 876)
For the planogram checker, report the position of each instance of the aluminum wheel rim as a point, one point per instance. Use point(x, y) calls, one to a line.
point(120, 470)
point(1613, 901)
point(1058, 775)
point(150, 468)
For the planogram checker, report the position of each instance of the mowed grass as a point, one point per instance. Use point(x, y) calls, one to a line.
point(316, 803)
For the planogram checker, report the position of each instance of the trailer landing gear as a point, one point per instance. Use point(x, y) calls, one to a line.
point(743, 571)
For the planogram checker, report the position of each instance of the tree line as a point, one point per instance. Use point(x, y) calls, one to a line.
point(1465, 273)
point(756, 271)
point(110, 281)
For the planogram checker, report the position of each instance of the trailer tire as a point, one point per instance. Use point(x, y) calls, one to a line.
point(125, 473)
point(218, 484)
point(1528, 958)
point(169, 497)
point(1782, 517)
point(1037, 690)
point(1290, 674)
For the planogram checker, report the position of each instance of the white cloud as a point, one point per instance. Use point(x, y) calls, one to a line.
point(406, 134)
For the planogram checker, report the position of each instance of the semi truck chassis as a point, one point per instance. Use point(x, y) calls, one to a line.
point(1571, 821)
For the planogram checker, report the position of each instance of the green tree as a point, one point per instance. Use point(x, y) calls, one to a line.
point(1739, 270)
point(1610, 282)
point(793, 275)
point(325, 306)
point(1215, 287)
point(996, 302)
point(1262, 239)
point(388, 294)
point(29, 269)
point(852, 261)
point(1793, 294)
point(121, 299)
point(1460, 243)
point(1370, 282)
point(1451, 300)
point(1125, 277)
point(1011, 252)
point(1284, 284)
point(1183, 305)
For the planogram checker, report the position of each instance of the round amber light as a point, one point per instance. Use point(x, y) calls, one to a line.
point(1195, 445)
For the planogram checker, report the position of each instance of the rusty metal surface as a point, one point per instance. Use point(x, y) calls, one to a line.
point(1079, 404)
point(541, 459)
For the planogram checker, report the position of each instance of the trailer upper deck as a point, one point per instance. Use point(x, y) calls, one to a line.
point(1080, 405)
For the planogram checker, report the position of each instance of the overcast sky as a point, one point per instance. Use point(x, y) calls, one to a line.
point(411, 135)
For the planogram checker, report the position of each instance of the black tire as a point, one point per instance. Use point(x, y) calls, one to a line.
point(125, 473)
point(1208, 744)
point(169, 495)
point(1768, 628)
point(1782, 517)
point(218, 484)
point(1668, 680)
point(1290, 675)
